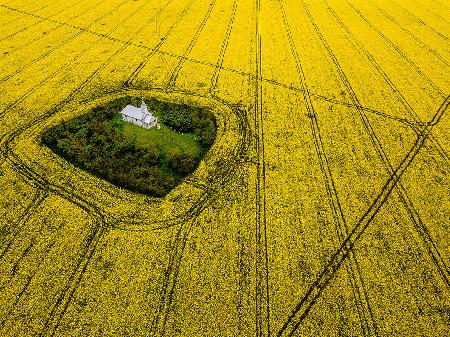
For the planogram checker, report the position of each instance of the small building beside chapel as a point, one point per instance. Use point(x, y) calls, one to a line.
point(140, 116)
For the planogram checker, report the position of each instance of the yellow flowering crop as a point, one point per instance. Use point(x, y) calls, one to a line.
point(322, 208)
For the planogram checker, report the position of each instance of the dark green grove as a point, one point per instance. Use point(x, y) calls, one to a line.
point(101, 143)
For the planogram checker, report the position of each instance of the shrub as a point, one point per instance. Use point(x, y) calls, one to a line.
point(97, 142)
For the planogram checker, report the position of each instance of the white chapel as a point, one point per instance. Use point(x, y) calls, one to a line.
point(140, 116)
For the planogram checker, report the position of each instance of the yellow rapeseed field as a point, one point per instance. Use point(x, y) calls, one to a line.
point(322, 209)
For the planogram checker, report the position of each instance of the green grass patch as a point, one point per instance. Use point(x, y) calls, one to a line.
point(150, 161)
point(164, 138)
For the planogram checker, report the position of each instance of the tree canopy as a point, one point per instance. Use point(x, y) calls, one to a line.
point(99, 143)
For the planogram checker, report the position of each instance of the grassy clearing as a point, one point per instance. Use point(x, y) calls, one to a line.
point(165, 139)
point(150, 161)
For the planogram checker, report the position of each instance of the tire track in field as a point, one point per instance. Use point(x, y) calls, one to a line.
point(33, 24)
point(420, 21)
point(91, 209)
point(40, 57)
point(414, 37)
point(129, 81)
point(398, 50)
point(170, 82)
point(416, 127)
point(414, 216)
point(170, 277)
point(413, 125)
point(305, 304)
point(57, 22)
point(427, 8)
point(125, 44)
point(53, 74)
point(368, 325)
point(100, 222)
point(97, 232)
point(15, 19)
point(223, 175)
point(262, 297)
point(23, 5)
point(223, 49)
point(221, 67)
point(65, 297)
point(43, 255)
point(122, 49)
point(22, 256)
point(441, 4)
point(16, 226)
point(20, 295)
